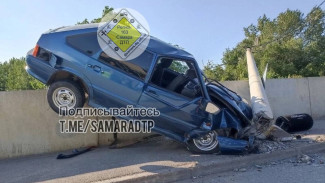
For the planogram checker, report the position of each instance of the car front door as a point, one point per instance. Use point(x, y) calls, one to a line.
point(180, 111)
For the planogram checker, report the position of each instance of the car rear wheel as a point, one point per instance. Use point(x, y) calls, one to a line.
point(66, 94)
point(206, 144)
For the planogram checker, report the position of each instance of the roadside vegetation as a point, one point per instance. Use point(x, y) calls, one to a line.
point(292, 44)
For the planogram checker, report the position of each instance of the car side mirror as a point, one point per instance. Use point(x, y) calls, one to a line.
point(212, 108)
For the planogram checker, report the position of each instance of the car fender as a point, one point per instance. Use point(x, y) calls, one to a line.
point(80, 76)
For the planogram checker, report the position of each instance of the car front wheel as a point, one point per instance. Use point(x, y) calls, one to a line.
point(66, 94)
point(206, 144)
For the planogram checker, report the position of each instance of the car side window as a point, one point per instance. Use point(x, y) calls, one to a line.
point(86, 43)
point(137, 67)
point(179, 66)
point(178, 76)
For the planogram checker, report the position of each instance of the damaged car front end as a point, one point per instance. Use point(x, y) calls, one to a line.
point(233, 116)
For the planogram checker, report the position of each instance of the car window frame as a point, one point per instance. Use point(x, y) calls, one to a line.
point(78, 49)
point(166, 90)
point(145, 79)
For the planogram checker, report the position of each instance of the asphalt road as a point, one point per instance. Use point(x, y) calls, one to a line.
point(289, 170)
point(102, 163)
point(146, 158)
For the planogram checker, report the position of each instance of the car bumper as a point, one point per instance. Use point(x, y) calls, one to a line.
point(39, 69)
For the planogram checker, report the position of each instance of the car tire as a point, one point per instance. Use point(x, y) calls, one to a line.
point(207, 144)
point(65, 93)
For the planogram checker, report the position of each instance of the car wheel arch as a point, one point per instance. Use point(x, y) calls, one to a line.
point(66, 75)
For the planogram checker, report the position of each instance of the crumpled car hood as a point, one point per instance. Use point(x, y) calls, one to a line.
point(231, 104)
point(234, 112)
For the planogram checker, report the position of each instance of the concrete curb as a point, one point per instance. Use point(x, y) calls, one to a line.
point(189, 170)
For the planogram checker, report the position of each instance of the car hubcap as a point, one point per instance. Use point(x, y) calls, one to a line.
point(64, 97)
point(207, 142)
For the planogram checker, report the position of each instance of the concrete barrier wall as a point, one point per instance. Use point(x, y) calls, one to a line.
point(290, 96)
point(29, 126)
point(317, 97)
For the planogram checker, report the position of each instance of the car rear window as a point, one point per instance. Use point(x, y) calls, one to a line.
point(86, 43)
point(137, 67)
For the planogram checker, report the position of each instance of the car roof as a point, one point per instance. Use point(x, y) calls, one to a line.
point(158, 46)
point(155, 45)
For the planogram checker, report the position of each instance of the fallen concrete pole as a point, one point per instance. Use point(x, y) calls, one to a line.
point(260, 104)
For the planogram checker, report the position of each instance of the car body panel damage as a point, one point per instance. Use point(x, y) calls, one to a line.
point(235, 114)
point(232, 146)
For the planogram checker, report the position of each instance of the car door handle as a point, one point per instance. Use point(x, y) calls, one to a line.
point(152, 92)
point(97, 68)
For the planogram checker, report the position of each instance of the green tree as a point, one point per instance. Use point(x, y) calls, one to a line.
point(18, 79)
point(107, 13)
point(179, 66)
point(214, 71)
point(3, 75)
point(292, 44)
point(85, 21)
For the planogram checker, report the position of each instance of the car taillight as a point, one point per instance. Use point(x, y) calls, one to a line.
point(41, 53)
point(35, 50)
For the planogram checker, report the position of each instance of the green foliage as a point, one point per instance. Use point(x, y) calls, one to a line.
point(214, 71)
point(3, 75)
point(292, 45)
point(83, 22)
point(14, 77)
point(106, 15)
point(179, 66)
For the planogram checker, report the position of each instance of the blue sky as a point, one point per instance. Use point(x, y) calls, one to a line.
point(204, 28)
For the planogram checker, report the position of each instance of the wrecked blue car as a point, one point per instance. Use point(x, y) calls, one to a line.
point(203, 114)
